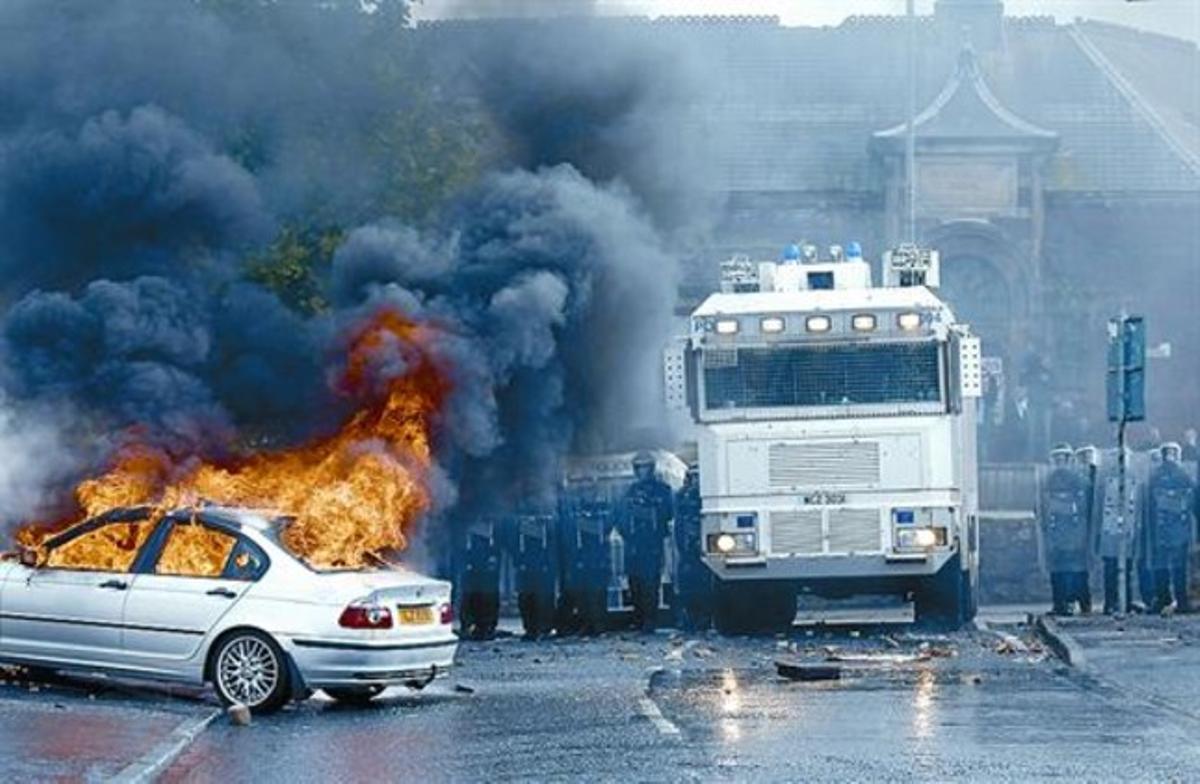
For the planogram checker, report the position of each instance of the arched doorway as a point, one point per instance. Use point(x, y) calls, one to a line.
point(980, 295)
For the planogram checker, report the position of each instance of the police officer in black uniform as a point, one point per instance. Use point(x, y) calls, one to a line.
point(584, 552)
point(479, 581)
point(645, 519)
point(1066, 532)
point(1170, 506)
point(533, 555)
point(695, 586)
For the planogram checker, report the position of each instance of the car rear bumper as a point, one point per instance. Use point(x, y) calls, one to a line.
point(342, 663)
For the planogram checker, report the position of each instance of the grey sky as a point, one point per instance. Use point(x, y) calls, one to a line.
point(1174, 17)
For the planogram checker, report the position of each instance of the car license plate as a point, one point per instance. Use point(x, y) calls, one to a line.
point(414, 616)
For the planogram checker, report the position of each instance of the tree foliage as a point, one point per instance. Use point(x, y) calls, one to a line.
point(385, 132)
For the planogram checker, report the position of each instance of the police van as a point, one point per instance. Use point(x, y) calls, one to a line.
point(835, 423)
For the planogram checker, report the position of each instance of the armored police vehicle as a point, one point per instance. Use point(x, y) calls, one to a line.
point(836, 433)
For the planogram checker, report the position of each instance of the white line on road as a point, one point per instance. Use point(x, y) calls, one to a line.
point(665, 726)
point(147, 767)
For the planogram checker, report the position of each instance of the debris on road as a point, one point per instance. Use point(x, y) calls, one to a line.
point(463, 688)
point(802, 671)
point(1009, 644)
point(873, 658)
point(239, 715)
point(928, 650)
point(679, 649)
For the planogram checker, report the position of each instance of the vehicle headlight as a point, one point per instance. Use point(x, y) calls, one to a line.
point(908, 321)
point(818, 324)
point(863, 322)
point(727, 326)
point(732, 543)
point(771, 324)
point(919, 538)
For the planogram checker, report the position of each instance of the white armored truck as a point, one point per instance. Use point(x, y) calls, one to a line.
point(835, 423)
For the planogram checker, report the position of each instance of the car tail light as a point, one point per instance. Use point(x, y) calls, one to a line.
point(366, 616)
point(446, 613)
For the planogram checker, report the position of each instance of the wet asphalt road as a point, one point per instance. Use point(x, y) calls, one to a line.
point(657, 708)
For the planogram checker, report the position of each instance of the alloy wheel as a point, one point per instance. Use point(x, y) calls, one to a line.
point(248, 671)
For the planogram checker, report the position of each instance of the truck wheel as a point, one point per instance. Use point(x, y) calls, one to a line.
point(946, 600)
point(754, 608)
point(970, 581)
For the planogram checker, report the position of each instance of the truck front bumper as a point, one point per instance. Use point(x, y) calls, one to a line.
point(829, 567)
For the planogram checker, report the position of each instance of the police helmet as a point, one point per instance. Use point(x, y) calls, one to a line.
point(643, 459)
point(1061, 453)
point(1171, 451)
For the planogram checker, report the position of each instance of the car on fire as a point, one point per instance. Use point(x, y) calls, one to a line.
point(213, 595)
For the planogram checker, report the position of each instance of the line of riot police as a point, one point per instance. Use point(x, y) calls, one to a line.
point(599, 559)
point(1082, 517)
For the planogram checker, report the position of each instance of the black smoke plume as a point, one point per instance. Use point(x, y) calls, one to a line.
point(131, 194)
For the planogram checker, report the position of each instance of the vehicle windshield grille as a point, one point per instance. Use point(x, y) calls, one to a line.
point(828, 375)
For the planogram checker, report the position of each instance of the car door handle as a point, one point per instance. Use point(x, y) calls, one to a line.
point(116, 585)
point(228, 594)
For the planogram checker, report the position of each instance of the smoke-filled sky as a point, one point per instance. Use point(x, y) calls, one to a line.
point(1171, 17)
point(146, 157)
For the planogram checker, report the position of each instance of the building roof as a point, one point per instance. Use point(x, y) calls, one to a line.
point(967, 109)
point(777, 108)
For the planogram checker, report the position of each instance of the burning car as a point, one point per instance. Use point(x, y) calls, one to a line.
point(216, 595)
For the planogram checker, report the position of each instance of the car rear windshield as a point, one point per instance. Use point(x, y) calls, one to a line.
point(277, 532)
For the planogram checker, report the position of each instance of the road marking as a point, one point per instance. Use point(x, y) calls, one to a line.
point(147, 767)
point(650, 710)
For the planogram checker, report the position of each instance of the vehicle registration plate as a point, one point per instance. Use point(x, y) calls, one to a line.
point(413, 616)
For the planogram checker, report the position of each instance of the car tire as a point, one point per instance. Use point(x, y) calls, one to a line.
point(249, 668)
point(354, 695)
point(34, 674)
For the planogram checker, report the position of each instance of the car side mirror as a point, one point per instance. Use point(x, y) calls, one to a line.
point(28, 557)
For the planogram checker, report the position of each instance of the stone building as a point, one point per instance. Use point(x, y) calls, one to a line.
point(1058, 171)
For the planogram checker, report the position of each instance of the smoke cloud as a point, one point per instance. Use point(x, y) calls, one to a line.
point(131, 194)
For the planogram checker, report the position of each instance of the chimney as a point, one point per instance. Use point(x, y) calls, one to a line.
point(979, 21)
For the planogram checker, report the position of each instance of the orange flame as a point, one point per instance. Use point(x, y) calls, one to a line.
point(354, 496)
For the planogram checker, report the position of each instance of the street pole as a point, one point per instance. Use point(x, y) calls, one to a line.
point(1122, 552)
point(910, 141)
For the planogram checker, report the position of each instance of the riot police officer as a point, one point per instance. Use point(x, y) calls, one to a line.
point(1087, 463)
point(1065, 532)
point(532, 543)
point(1109, 529)
point(1170, 504)
point(479, 581)
point(645, 518)
point(695, 580)
point(584, 526)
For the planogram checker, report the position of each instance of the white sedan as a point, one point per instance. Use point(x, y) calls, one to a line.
point(212, 596)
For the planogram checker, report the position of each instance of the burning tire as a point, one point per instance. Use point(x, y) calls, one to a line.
point(351, 695)
point(248, 669)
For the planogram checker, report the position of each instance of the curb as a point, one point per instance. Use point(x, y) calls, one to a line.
point(147, 767)
point(1062, 644)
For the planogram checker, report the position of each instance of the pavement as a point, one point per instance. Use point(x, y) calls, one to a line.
point(1151, 658)
point(989, 703)
point(92, 730)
